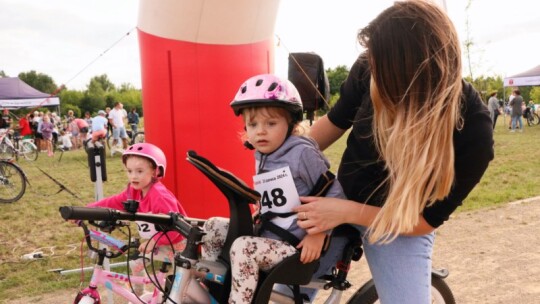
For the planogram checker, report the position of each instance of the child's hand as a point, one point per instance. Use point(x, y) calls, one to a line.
point(148, 246)
point(311, 247)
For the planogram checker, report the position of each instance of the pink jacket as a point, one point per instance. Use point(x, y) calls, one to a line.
point(158, 200)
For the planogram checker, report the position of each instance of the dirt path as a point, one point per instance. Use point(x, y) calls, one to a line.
point(493, 256)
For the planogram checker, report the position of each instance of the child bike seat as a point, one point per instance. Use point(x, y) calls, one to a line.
point(290, 271)
point(237, 193)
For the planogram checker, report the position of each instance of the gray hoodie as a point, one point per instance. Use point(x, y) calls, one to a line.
point(306, 162)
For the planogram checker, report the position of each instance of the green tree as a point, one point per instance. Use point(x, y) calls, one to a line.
point(70, 100)
point(39, 81)
point(336, 77)
point(101, 82)
point(535, 95)
point(3, 74)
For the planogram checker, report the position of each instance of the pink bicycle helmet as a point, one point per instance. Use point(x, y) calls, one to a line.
point(268, 90)
point(149, 151)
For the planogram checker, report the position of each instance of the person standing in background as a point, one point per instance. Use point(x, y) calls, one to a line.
point(517, 111)
point(133, 121)
point(493, 106)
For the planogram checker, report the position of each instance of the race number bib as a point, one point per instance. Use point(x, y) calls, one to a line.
point(278, 194)
point(146, 230)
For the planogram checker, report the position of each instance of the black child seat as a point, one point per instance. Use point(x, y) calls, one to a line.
point(290, 271)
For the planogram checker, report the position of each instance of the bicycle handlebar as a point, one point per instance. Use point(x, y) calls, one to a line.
point(173, 221)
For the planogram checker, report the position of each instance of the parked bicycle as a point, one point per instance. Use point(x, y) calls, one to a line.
point(531, 117)
point(17, 148)
point(201, 281)
point(136, 138)
point(12, 182)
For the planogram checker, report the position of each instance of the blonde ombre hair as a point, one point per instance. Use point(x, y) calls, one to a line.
point(415, 61)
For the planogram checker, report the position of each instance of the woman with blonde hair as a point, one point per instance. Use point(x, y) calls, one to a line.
point(421, 139)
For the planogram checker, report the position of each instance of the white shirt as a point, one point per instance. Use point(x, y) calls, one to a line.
point(117, 117)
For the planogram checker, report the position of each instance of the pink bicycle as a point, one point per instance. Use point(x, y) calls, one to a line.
point(120, 284)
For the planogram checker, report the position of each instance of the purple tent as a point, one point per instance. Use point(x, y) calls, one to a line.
point(16, 94)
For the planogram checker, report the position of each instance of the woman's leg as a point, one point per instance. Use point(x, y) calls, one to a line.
point(401, 269)
point(248, 255)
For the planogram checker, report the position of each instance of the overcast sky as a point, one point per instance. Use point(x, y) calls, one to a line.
point(75, 40)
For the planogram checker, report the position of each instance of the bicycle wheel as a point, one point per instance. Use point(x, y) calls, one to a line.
point(12, 182)
point(6, 152)
point(440, 293)
point(29, 151)
point(535, 119)
point(138, 138)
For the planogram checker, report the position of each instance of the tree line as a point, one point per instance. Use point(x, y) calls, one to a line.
point(101, 92)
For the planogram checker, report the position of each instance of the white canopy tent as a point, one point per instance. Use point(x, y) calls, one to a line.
point(16, 94)
point(527, 78)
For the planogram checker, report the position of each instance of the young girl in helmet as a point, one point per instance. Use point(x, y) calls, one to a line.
point(287, 166)
point(145, 165)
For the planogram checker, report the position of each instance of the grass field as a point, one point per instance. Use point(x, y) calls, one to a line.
point(34, 224)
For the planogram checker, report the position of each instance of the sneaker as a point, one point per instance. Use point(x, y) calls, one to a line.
point(512, 131)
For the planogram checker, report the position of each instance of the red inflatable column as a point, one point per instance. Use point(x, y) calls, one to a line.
point(194, 56)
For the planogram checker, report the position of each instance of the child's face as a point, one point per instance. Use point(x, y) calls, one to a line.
point(266, 129)
point(140, 173)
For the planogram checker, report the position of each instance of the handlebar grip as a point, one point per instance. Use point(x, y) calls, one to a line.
point(87, 213)
point(106, 214)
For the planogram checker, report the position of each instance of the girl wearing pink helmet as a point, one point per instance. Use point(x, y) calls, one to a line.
point(145, 166)
point(288, 166)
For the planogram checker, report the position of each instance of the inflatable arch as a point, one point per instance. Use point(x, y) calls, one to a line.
point(194, 56)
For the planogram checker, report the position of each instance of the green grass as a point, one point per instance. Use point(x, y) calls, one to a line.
point(33, 223)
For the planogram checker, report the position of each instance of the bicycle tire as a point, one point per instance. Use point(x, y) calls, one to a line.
point(138, 138)
point(6, 152)
point(12, 182)
point(29, 151)
point(535, 119)
point(440, 293)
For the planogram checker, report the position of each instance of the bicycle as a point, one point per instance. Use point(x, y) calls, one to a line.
point(136, 138)
point(209, 281)
point(12, 182)
point(114, 281)
point(19, 147)
point(531, 117)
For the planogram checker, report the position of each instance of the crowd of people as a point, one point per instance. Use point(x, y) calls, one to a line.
point(49, 130)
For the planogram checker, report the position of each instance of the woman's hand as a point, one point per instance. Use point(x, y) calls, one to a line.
point(319, 214)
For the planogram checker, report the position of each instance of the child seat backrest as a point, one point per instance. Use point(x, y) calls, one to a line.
point(238, 194)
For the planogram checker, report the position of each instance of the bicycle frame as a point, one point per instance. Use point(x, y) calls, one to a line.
point(115, 281)
point(109, 279)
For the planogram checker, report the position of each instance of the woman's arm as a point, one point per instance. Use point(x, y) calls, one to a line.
point(324, 213)
point(325, 133)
